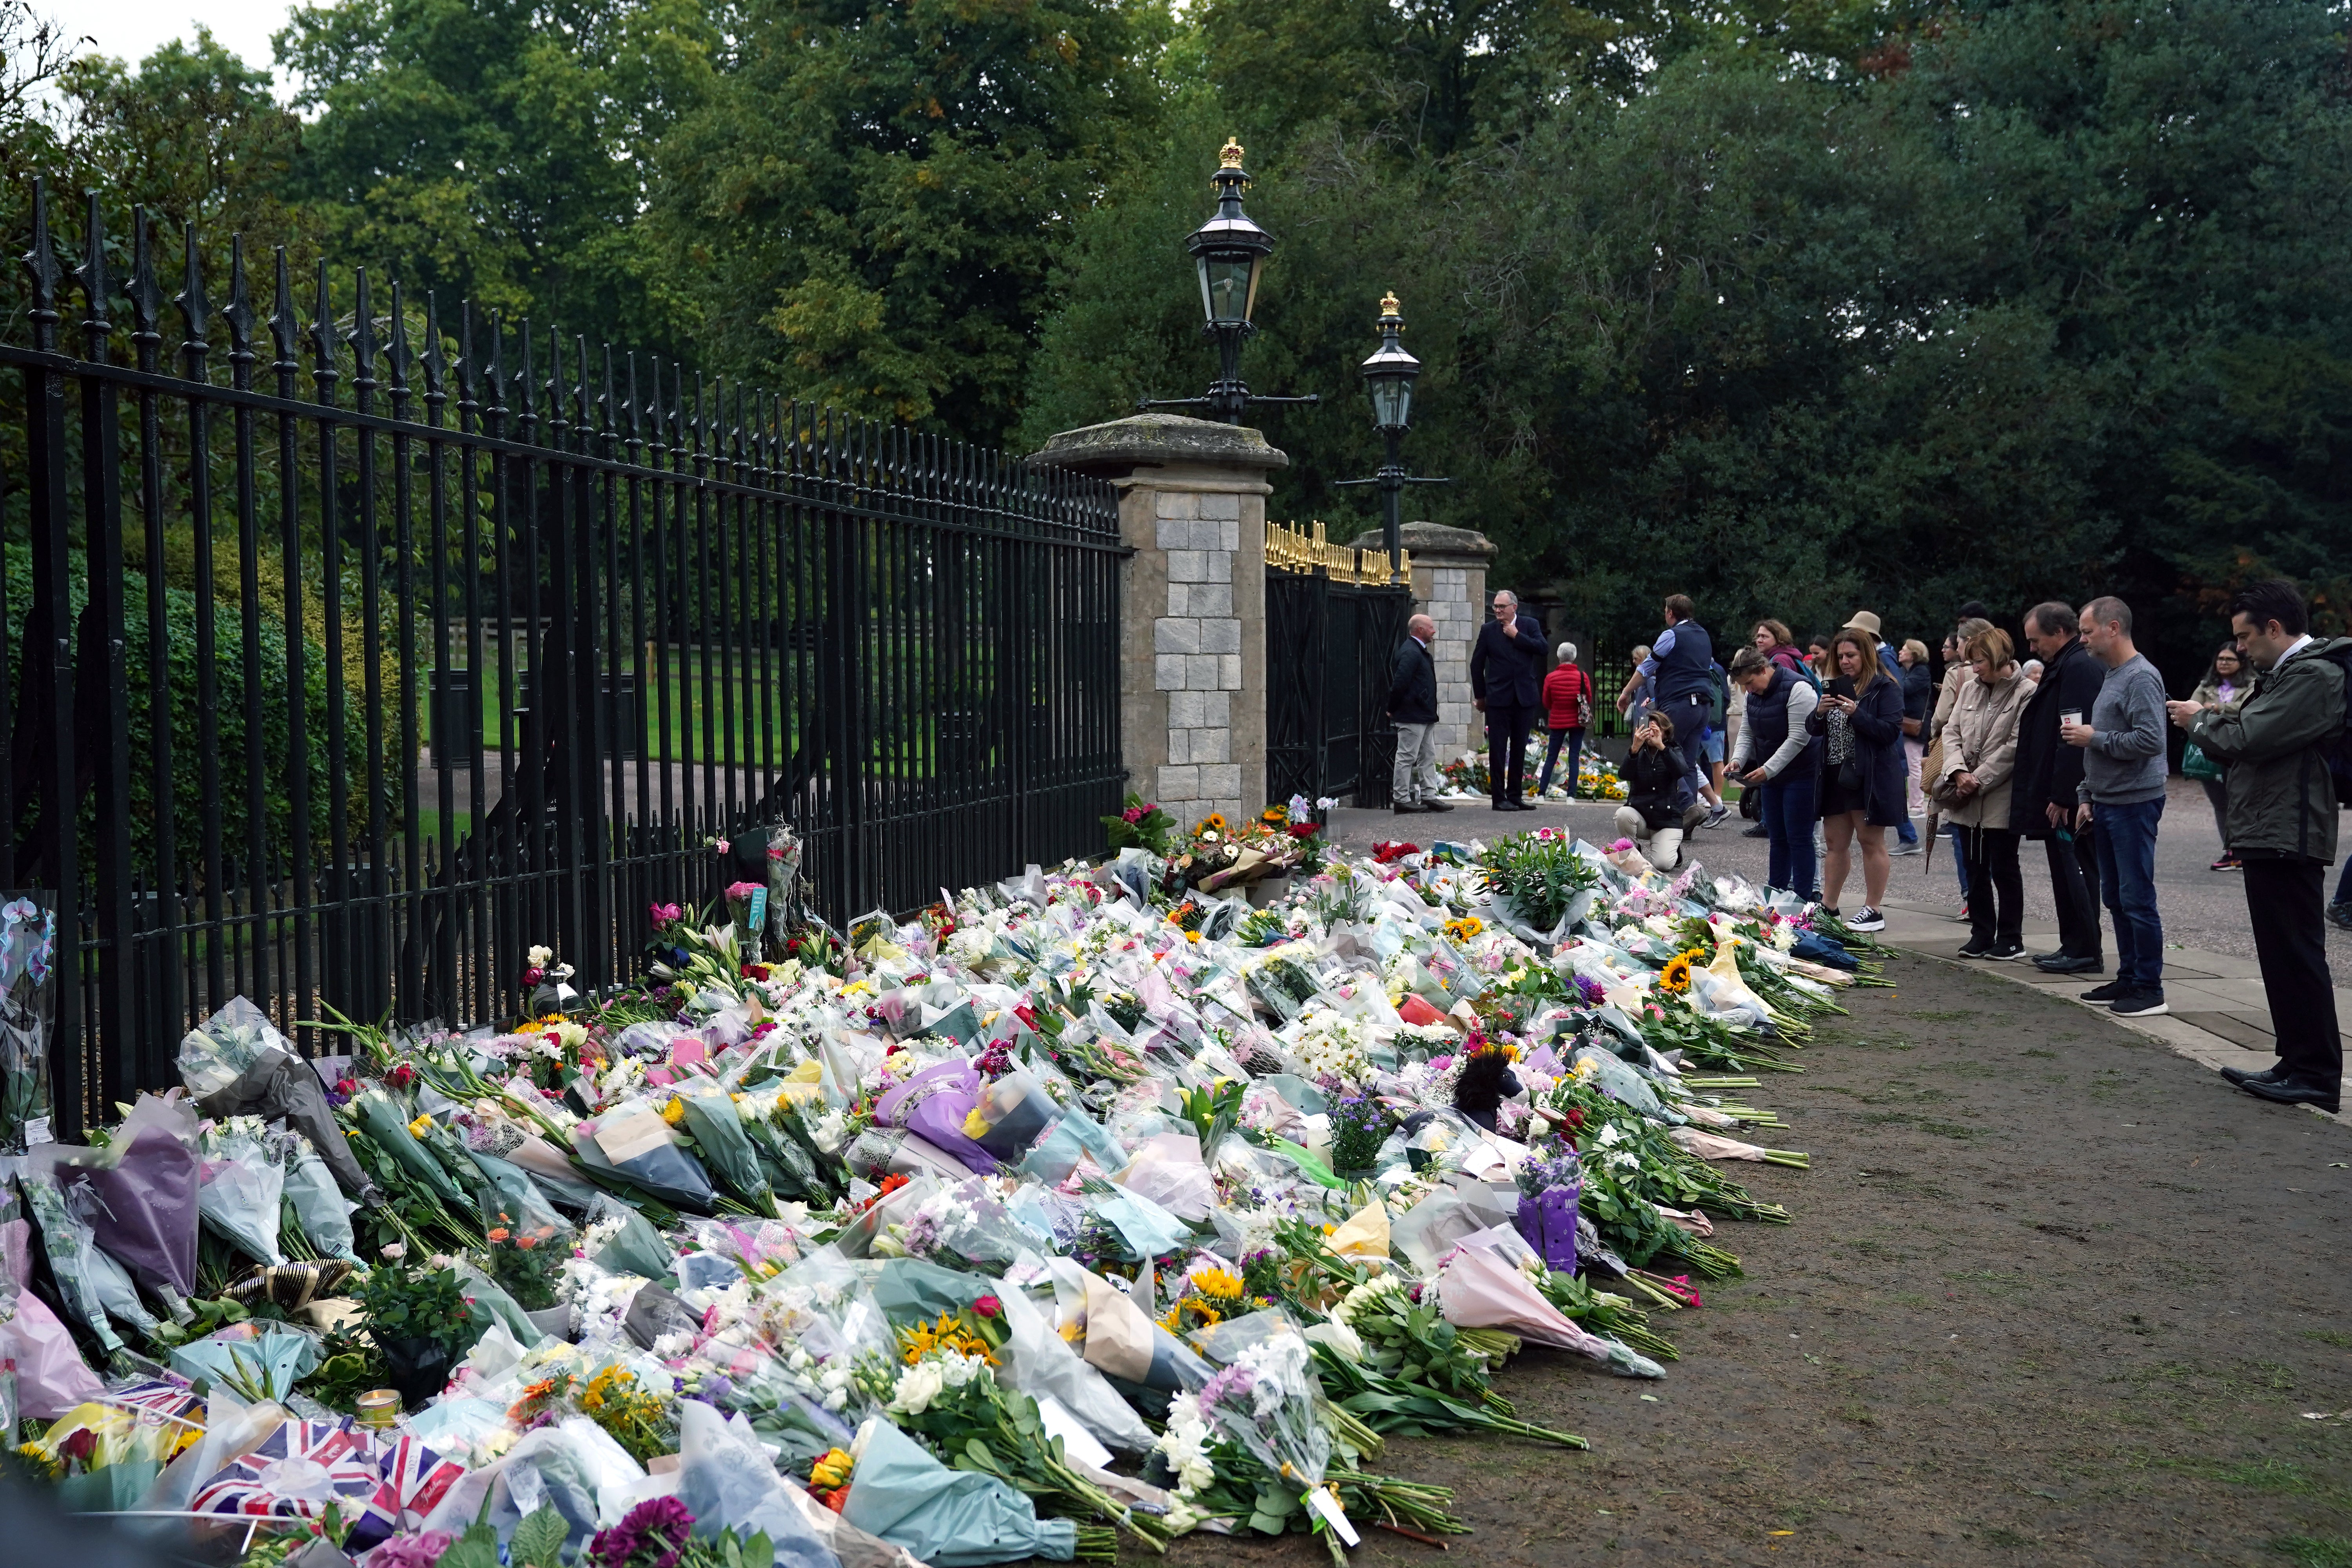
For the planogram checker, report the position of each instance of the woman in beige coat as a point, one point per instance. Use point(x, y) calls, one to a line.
point(1956, 674)
point(1973, 783)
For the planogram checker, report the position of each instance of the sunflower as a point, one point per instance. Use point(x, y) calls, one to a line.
point(1464, 929)
point(1273, 816)
point(1218, 1283)
point(1676, 977)
point(1191, 1312)
point(1213, 823)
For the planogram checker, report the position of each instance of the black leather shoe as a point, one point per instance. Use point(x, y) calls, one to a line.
point(1435, 805)
point(2244, 1076)
point(1758, 831)
point(1406, 807)
point(2067, 963)
point(2292, 1091)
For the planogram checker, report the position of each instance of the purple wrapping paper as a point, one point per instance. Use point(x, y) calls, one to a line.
point(148, 1221)
point(940, 1121)
point(1547, 1223)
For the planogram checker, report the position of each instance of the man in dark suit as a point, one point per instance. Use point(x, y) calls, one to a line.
point(2047, 780)
point(1413, 709)
point(1506, 671)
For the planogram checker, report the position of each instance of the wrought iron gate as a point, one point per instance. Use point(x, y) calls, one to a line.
point(1332, 626)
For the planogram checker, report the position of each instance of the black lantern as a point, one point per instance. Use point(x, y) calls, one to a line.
point(1389, 376)
point(1229, 251)
point(1388, 373)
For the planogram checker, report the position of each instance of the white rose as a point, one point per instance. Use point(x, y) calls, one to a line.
point(918, 1386)
point(540, 957)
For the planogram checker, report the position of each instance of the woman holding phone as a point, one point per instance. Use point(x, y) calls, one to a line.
point(1660, 791)
point(1861, 721)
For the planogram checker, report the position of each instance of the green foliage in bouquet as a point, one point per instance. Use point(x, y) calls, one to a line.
point(1213, 1112)
point(400, 1302)
point(1538, 874)
point(1140, 824)
point(1360, 1125)
point(525, 1262)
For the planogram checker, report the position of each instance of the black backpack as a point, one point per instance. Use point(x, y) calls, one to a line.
point(2339, 750)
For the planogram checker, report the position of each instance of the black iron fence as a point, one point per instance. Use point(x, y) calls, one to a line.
point(340, 666)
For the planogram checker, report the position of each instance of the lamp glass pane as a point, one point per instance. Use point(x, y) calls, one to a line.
point(1225, 288)
point(1392, 401)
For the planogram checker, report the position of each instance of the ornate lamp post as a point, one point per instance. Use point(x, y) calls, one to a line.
point(1389, 376)
point(1229, 251)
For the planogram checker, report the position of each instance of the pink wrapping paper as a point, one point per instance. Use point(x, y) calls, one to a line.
point(1477, 1289)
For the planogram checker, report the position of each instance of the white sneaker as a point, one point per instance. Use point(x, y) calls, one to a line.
point(1867, 919)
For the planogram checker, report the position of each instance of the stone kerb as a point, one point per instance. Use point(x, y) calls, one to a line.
point(1449, 587)
point(1193, 682)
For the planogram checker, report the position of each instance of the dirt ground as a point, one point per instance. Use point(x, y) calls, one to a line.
point(2051, 1294)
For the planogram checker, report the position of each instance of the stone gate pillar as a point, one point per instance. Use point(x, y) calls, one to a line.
point(1449, 587)
point(1193, 677)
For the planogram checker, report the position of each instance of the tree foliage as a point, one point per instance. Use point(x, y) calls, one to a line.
point(1796, 305)
point(2047, 298)
point(499, 150)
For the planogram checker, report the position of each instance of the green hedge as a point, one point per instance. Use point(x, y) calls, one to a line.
point(228, 712)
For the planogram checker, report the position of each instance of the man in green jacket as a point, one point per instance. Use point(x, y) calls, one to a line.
point(2282, 815)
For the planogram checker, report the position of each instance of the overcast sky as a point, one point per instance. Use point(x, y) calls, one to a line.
point(129, 29)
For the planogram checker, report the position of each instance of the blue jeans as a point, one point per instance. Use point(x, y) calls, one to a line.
point(1788, 816)
point(2127, 845)
point(1574, 739)
point(1960, 857)
point(1689, 716)
point(2344, 883)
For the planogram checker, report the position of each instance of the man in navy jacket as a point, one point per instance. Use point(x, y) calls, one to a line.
point(1681, 666)
point(1506, 671)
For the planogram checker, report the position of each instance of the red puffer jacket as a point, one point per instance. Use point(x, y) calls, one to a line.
point(1561, 688)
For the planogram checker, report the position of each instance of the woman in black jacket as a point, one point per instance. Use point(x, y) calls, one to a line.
point(1861, 720)
point(1658, 793)
point(1918, 706)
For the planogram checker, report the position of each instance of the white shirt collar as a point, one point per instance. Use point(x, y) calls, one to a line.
point(2295, 647)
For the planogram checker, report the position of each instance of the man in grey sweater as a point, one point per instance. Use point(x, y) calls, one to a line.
point(2122, 801)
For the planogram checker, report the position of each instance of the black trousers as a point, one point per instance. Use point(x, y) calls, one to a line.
point(2286, 904)
point(2075, 887)
point(1996, 889)
point(1507, 750)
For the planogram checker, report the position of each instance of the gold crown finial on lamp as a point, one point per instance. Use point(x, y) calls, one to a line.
point(1389, 305)
point(1229, 156)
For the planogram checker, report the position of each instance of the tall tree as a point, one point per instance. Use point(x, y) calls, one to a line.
point(2052, 297)
point(500, 149)
point(867, 209)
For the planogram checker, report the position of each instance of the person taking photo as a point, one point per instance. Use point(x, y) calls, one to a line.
point(1861, 721)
